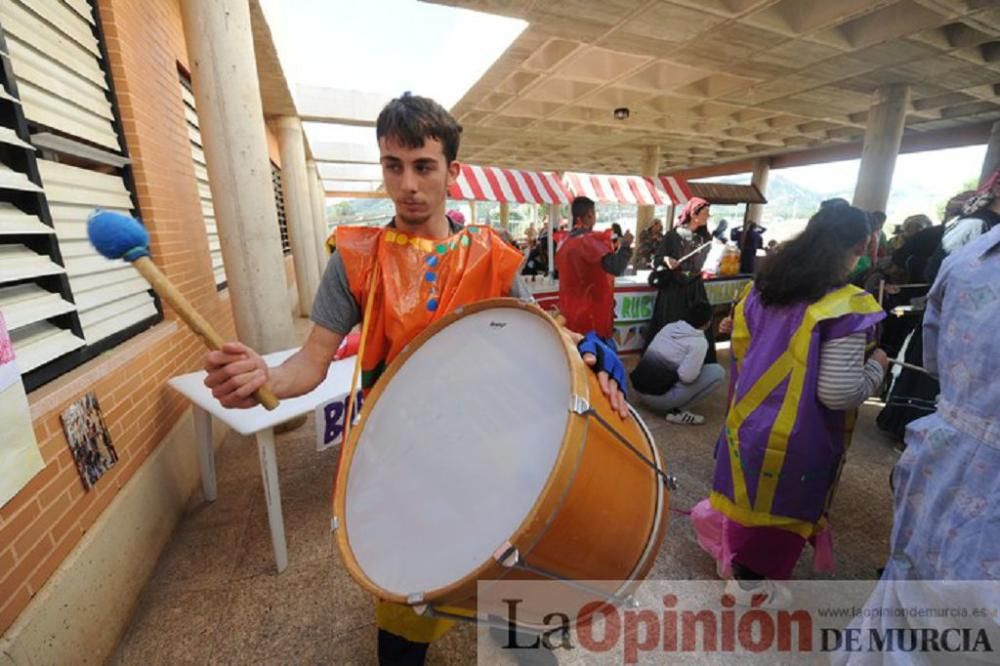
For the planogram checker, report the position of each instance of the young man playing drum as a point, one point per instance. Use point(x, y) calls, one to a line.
point(403, 277)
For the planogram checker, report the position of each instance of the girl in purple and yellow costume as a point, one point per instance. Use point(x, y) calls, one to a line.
point(800, 336)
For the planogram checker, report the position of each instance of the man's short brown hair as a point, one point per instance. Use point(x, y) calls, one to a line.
point(580, 207)
point(411, 120)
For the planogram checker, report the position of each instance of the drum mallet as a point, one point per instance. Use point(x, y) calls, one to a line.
point(118, 236)
point(693, 252)
point(909, 366)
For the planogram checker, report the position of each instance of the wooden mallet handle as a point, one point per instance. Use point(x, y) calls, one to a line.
point(168, 292)
point(909, 365)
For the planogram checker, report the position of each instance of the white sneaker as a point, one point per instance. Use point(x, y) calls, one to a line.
point(775, 595)
point(684, 417)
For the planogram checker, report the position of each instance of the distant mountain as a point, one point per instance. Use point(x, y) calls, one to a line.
point(359, 211)
point(789, 200)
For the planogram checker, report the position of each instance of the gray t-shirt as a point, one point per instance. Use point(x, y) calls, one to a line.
point(335, 308)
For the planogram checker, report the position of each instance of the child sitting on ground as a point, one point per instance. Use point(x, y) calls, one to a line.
point(672, 373)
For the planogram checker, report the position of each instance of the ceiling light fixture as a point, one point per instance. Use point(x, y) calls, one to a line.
point(621, 113)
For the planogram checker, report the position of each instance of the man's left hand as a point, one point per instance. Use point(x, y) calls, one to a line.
point(610, 370)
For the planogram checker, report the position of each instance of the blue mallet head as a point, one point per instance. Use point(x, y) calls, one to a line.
point(117, 236)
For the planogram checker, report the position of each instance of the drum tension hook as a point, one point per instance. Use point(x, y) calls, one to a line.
point(507, 555)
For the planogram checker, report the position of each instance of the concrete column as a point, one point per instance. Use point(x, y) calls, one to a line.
point(882, 139)
point(224, 76)
point(992, 158)
point(317, 197)
point(298, 209)
point(504, 215)
point(761, 171)
point(472, 212)
point(650, 169)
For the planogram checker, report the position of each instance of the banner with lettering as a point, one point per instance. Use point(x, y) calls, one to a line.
point(632, 306)
point(330, 420)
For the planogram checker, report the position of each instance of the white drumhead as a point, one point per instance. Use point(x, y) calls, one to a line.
point(457, 450)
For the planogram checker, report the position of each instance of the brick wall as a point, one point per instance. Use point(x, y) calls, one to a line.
point(41, 524)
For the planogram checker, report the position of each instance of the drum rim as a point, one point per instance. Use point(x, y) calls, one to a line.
point(661, 519)
point(533, 526)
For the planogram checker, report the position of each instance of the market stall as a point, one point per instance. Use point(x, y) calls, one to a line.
point(634, 300)
point(486, 183)
point(634, 297)
point(636, 190)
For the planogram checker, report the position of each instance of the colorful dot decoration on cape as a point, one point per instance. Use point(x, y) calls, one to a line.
point(435, 252)
point(433, 262)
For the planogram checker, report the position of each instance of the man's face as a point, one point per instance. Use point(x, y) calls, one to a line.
point(416, 179)
point(589, 218)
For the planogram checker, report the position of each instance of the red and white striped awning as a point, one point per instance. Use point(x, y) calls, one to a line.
point(483, 183)
point(634, 190)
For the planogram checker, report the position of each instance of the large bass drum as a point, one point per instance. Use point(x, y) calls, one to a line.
point(488, 452)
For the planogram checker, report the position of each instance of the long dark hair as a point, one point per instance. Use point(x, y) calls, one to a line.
point(814, 262)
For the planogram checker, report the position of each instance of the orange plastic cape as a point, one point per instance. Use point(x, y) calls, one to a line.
point(586, 291)
point(420, 280)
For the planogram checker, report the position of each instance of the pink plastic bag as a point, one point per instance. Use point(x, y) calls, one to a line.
point(822, 544)
point(709, 526)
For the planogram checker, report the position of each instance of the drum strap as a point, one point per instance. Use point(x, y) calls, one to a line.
point(365, 323)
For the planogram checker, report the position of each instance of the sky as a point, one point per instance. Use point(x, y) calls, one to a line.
point(385, 46)
point(937, 170)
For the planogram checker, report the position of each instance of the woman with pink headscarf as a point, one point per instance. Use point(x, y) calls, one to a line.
point(679, 282)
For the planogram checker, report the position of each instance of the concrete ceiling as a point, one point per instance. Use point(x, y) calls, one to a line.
point(719, 81)
point(274, 93)
point(275, 96)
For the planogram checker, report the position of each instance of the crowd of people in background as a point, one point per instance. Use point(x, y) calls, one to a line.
point(826, 316)
point(814, 336)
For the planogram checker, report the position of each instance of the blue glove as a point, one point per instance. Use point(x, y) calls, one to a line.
point(607, 358)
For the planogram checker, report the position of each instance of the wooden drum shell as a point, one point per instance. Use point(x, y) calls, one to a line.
point(601, 516)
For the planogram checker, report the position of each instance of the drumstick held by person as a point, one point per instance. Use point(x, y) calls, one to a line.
point(420, 273)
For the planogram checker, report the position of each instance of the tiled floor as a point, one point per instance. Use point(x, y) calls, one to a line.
point(215, 597)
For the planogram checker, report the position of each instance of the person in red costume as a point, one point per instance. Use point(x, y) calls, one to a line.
point(588, 263)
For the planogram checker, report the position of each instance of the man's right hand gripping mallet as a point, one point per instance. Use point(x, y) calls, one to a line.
point(118, 236)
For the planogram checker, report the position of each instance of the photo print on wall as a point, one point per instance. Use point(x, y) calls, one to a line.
point(88, 439)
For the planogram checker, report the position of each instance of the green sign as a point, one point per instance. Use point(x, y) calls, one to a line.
point(634, 306)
